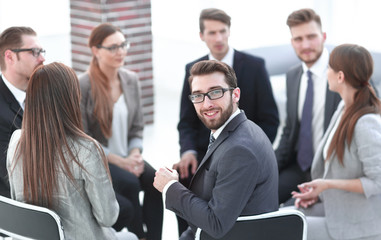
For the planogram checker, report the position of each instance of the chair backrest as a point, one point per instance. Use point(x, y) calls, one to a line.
point(279, 225)
point(25, 221)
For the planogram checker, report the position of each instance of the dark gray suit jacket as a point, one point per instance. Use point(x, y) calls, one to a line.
point(10, 119)
point(287, 149)
point(237, 177)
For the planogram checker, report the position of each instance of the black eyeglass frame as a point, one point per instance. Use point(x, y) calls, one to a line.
point(114, 48)
point(208, 94)
point(35, 51)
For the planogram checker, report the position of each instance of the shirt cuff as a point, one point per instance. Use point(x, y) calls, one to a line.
point(194, 152)
point(166, 188)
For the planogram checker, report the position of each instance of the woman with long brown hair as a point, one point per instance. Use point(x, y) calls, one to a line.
point(112, 114)
point(343, 199)
point(52, 163)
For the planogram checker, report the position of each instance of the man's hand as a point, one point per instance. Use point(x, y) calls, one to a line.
point(187, 159)
point(163, 176)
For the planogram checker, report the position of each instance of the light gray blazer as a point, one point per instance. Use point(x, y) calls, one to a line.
point(87, 210)
point(353, 215)
point(132, 96)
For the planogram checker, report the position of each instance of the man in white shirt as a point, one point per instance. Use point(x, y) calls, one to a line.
point(238, 175)
point(20, 54)
point(307, 39)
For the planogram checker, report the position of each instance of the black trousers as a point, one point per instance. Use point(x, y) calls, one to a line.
point(289, 178)
point(132, 214)
point(4, 189)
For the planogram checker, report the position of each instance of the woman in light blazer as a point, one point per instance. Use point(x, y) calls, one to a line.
point(52, 163)
point(112, 114)
point(343, 201)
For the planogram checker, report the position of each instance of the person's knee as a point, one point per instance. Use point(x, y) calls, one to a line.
point(126, 213)
point(129, 184)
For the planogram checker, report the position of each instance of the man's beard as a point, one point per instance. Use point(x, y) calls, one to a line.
point(217, 123)
point(313, 60)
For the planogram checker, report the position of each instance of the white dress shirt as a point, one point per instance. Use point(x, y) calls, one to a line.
point(228, 59)
point(118, 142)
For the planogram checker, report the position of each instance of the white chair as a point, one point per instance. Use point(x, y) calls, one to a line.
point(25, 221)
point(279, 225)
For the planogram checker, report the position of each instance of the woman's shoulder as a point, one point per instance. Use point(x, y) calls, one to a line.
point(14, 139)
point(15, 136)
point(12, 145)
point(127, 75)
point(84, 79)
point(86, 145)
point(370, 118)
point(368, 125)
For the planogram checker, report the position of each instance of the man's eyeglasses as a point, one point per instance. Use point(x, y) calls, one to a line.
point(35, 51)
point(212, 95)
point(114, 48)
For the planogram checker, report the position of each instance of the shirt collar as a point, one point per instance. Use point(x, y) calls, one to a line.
point(228, 59)
point(17, 93)
point(319, 67)
point(219, 130)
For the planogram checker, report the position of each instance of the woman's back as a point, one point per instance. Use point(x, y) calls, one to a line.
point(87, 209)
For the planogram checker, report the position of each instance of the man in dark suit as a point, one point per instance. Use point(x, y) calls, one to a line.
point(238, 175)
point(257, 98)
point(20, 55)
point(308, 42)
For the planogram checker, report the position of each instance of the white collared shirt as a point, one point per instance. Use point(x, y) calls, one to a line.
point(228, 59)
point(319, 78)
point(17, 93)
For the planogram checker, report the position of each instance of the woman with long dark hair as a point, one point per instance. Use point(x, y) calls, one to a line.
point(112, 114)
point(343, 201)
point(52, 163)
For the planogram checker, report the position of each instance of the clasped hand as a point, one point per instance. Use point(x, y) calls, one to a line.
point(133, 163)
point(309, 193)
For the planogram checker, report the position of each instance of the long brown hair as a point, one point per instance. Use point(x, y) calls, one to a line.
point(357, 65)
point(52, 117)
point(100, 86)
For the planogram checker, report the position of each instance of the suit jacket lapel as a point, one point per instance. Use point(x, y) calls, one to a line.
point(317, 168)
point(8, 96)
point(238, 65)
point(232, 125)
point(294, 90)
